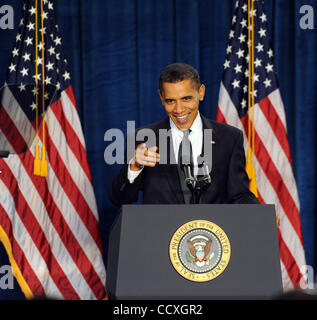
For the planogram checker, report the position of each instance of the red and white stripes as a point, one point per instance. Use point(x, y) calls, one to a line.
point(52, 223)
point(274, 175)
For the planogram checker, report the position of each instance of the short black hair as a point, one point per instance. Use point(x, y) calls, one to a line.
point(177, 72)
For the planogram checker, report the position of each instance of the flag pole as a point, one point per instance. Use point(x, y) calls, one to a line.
point(248, 163)
point(253, 184)
point(37, 163)
point(43, 154)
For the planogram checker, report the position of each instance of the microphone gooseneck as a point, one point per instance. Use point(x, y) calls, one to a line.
point(197, 185)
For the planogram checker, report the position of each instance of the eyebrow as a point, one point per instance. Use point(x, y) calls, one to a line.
point(169, 99)
point(187, 97)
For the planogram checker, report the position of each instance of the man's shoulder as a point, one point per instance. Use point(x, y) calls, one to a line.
point(220, 128)
point(162, 124)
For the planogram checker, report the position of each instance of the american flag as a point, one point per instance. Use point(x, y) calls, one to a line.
point(273, 163)
point(48, 225)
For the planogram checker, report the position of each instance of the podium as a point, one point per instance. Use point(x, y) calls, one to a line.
point(156, 252)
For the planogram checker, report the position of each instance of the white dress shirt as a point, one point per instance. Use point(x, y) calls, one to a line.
point(195, 137)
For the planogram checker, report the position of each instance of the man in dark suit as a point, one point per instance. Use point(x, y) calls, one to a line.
point(181, 91)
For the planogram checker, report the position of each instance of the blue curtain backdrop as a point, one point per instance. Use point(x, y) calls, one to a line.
point(116, 50)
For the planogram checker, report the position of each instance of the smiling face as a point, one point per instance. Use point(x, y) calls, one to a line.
point(181, 101)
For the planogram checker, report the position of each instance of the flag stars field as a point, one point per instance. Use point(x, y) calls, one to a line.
point(24, 72)
point(226, 64)
point(270, 53)
point(26, 57)
point(267, 82)
point(15, 52)
point(263, 17)
point(262, 32)
point(258, 62)
point(236, 83)
point(238, 68)
point(269, 67)
point(12, 67)
point(29, 41)
point(22, 87)
point(259, 47)
point(240, 53)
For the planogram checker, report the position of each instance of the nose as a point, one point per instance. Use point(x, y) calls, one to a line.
point(179, 107)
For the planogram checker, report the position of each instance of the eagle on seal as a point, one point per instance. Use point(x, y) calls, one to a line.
point(200, 253)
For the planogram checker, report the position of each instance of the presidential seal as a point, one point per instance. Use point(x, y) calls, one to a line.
point(199, 250)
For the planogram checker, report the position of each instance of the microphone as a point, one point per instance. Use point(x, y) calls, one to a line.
point(205, 174)
point(203, 181)
point(189, 179)
point(187, 169)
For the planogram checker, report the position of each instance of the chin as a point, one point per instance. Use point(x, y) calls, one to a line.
point(183, 125)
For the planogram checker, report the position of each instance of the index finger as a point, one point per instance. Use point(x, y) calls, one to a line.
point(141, 146)
point(153, 149)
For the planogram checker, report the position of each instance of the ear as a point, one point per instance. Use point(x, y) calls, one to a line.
point(201, 92)
point(160, 94)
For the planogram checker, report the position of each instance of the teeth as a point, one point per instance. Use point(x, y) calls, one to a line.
point(182, 117)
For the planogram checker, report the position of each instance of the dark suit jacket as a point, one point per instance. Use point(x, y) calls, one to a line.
point(161, 185)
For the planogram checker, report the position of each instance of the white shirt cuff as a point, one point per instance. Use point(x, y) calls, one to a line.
point(132, 175)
